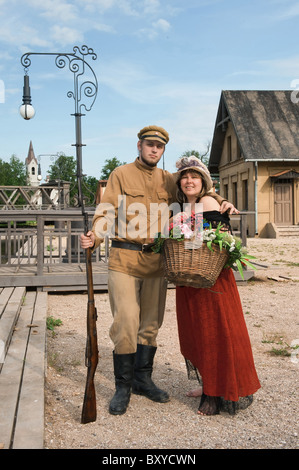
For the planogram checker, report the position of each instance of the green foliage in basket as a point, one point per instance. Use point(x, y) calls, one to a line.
point(237, 253)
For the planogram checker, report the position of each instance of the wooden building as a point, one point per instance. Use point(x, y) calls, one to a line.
point(255, 151)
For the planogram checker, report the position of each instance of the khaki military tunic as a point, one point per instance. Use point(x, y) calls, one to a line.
point(134, 207)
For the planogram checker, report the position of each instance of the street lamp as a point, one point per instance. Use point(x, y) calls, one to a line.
point(88, 89)
point(26, 110)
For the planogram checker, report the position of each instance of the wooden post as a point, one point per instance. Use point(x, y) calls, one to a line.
point(243, 229)
point(40, 244)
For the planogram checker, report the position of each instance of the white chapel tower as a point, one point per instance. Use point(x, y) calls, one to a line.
point(32, 167)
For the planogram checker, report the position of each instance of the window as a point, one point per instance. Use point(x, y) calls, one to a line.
point(235, 194)
point(225, 191)
point(245, 194)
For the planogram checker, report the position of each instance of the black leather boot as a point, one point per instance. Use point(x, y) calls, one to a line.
point(123, 372)
point(142, 382)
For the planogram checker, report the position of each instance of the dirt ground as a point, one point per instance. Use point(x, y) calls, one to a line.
point(270, 305)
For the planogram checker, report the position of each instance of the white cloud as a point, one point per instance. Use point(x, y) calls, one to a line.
point(158, 27)
point(97, 5)
point(103, 27)
point(162, 25)
point(288, 67)
point(65, 35)
point(291, 12)
point(101, 6)
point(16, 33)
point(152, 6)
point(55, 9)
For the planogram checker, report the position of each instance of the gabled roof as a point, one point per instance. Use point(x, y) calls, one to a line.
point(266, 124)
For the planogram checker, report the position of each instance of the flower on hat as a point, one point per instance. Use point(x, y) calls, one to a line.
point(191, 162)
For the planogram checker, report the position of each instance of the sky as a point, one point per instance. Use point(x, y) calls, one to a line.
point(161, 62)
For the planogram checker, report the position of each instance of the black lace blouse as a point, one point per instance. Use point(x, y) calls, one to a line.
point(214, 217)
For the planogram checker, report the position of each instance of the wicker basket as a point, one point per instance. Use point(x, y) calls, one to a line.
point(196, 267)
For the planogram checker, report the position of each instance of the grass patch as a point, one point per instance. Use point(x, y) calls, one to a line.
point(52, 323)
point(280, 346)
point(279, 352)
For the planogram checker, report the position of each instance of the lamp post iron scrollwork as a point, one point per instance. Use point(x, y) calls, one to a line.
point(85, 90)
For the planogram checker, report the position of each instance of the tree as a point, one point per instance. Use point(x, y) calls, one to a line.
point(90, 185)
point(13, 173)
point(109, 167)
point(64, 168)
point(203, 156)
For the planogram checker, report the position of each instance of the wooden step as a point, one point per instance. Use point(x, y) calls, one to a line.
point(288, 230)
point(11, 300)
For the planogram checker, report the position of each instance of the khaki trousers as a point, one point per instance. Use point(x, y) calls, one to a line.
point(137, 306)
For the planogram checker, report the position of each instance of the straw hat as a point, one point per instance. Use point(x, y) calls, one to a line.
point(193, 163)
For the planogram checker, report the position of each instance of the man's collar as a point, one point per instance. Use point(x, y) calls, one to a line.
point(143, 166)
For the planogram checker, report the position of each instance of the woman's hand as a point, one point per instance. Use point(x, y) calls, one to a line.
point(228, 206)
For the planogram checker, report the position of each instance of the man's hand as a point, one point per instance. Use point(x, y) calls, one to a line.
point(228, 206)
point(88, 240)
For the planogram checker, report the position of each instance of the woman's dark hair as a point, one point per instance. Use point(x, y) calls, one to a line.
point(181, 196)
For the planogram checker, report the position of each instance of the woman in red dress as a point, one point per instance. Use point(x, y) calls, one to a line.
point(212, 331)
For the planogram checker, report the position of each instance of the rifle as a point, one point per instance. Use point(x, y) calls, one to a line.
point(89, 411)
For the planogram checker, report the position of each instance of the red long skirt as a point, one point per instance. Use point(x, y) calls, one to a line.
point(214, 338)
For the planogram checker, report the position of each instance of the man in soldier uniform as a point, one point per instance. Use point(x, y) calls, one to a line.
point(136, 285)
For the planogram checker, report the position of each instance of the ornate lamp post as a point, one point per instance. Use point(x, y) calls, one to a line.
point(87, 90)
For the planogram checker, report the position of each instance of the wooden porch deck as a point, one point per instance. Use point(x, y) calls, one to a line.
point(67, 277)
point(55, 277)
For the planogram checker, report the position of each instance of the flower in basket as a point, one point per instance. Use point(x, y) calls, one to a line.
point(187, 226)
point(179, 230)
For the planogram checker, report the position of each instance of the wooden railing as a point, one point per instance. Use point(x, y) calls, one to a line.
point(43, 197)
point(39, 237)
point(43, 237)
point(241, 221)
point(42, 249)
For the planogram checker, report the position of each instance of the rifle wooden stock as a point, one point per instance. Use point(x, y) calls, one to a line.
point(89, 411)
